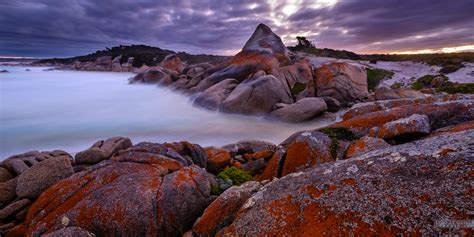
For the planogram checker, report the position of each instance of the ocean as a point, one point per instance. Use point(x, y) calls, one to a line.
point(43, 110)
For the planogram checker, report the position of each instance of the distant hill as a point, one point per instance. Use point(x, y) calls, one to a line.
point(142, 54)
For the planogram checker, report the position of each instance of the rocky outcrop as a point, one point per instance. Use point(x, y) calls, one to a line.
point(249, 146)
point(13, 208)
point(385, 93)
point(440, 114)
point(332, 104)
point(411, 189)
point(303, 110)
point(17, 164)
point(365, 108)
point(264, 40)
point(217, 160)
point(70, 232)
point(5, 175)
point(173, 62)
point(342, 81)
point(222, 211)
point(35, 180)
point(25, 176)
point(299, 78)
point(136, 193)
point(102, 150)
point(7, 191)
point(256, 96)
point(213, 97)
point(259, 77)
point(300, 151)
point(154, 75)
point(364, 145)
point(410, 128)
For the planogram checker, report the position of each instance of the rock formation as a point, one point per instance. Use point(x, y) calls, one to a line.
point(260, 77)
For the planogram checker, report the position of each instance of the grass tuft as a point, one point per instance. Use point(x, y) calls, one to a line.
point(375, 76)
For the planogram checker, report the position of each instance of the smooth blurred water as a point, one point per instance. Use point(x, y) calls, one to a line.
point(70, 110)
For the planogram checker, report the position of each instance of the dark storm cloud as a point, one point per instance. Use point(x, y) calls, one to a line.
point(393, 25)
point(64, 28)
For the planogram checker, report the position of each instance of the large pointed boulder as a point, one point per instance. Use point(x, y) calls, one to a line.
point(263, 51)
point(264, 40)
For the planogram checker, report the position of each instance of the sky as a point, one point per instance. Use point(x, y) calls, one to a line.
point(63, 28)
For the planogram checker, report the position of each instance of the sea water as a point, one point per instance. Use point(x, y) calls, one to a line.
point(42, 109)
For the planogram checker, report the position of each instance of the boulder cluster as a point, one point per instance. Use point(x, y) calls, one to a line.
point(264, 78)
point(394, 167)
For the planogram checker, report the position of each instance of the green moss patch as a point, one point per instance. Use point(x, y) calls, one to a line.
point(298, 88)
point(237, 176)
point(215, 190)
point(375, 76)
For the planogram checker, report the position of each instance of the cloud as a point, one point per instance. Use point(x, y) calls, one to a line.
point(49, 28)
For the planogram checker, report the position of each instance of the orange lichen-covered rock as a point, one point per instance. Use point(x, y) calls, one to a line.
point(299, 152)
point(263, 40)
point(412, 189)
point(264, 51)
point(454, 128)
point(366, 108)
point(134, 194)
point(342, 81)
point(263, 154)
point(181, 199)
point(257, 92)
point(440, 114)
point(173, 62)
point(222, 211)
point(411, 127)
point(17, 231)
point(217, 160)
point(364, 145)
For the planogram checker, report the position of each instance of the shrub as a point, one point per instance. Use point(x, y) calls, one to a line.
point(337, 134)
point(425, 81)
point(397, 85)
point(237, 176)
point(453, 88)
point(451, 68)
point(375, 76)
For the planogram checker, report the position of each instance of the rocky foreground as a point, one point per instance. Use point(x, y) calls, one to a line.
point(393, 167)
